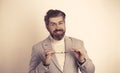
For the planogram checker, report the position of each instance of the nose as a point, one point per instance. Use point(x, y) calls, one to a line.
point(57, 26)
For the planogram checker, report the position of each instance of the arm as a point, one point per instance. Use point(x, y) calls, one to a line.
point(35, 60)
point(84, 62)
point(87, 66)
point(38, 64)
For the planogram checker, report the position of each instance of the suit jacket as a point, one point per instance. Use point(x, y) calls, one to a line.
point(71, 64)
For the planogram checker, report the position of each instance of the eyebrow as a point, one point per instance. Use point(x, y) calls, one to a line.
point(59, 21)
point(62, 21)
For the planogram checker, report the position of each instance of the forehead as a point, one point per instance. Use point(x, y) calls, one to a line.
point(56, 19)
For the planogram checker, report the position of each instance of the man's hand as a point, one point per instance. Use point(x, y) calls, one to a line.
point(79, 54)
point(48, 55)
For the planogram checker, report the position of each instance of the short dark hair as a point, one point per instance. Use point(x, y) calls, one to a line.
point(53, 13)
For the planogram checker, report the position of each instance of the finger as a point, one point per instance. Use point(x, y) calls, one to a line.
point(75, 50)
point(50, 53)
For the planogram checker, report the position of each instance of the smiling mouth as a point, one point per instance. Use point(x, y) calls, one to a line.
point(59, 32)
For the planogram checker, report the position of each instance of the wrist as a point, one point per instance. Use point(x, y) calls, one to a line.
point(46, 64)
point(82, 61)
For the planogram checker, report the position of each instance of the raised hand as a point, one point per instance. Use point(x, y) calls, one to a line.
point(79, 54)
point(48, 55)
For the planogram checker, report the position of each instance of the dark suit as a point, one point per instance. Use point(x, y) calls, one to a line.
point(71, 64)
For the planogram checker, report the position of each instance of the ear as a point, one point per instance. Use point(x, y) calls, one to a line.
point(47, 26)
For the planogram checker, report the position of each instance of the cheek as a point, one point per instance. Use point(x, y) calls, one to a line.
point(51, 29)
point(63, 27)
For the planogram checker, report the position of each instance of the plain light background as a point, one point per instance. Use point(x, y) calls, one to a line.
point(96, 22)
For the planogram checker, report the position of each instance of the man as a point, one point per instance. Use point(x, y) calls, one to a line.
point(59, 53)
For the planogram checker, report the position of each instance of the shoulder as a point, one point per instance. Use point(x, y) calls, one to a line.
point(75, 40)
point(39, 44)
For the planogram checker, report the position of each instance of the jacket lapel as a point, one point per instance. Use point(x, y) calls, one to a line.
point(47, 45)
point(54, 59)
point(68, 46)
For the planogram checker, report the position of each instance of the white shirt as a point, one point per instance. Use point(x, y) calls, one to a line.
point(59, 47)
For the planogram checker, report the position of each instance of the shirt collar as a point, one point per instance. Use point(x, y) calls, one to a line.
point(56, 41)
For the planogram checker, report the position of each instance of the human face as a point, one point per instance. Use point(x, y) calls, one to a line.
point(56, 27)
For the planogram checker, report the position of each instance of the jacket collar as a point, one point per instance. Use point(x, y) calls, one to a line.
point(68, 45)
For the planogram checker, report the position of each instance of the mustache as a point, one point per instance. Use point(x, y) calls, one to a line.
point(58, 30)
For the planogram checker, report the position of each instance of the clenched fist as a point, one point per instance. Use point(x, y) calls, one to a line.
point(48, 55)
point(79, 54)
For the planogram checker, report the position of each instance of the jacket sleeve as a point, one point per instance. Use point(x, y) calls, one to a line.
point(87, 66)
point(36, 65)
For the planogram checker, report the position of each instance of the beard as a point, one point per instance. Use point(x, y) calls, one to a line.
point(58, 34)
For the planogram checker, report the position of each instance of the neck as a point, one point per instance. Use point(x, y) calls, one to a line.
point(55, 41)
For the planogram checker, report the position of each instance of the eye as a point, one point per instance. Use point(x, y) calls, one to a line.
point(52, 24)
point(61, 23)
